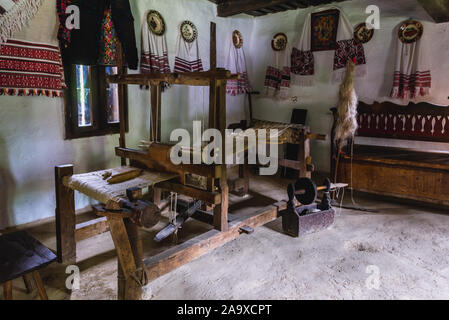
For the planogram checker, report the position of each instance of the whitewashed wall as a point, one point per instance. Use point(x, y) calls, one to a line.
point(375, 86)
point(32, 128)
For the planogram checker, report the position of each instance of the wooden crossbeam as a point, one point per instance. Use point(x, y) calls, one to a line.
point(188, 251)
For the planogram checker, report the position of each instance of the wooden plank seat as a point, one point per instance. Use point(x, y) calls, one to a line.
point(399, 172)
point(21, 255)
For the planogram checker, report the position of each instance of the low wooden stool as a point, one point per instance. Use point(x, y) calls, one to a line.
point(22, 256)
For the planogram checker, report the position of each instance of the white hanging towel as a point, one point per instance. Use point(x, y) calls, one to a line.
point(237, 65)
point(277, 78)
point(412, 76)
point(154, 52)
point(187, 55)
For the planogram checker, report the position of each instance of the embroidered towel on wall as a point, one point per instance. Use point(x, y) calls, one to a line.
point(154, 51)
point(277, 78)
point(237, 65)
point(412, 77)
point(302, 58)
point(30, 69)
point(14, 14)
point(187, 56)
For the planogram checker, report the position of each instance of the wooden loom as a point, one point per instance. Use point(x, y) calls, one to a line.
point(123, 221)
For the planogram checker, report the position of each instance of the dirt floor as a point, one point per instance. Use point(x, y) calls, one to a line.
point(399, 252)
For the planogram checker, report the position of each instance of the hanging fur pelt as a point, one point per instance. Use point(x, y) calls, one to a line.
point(347, 107)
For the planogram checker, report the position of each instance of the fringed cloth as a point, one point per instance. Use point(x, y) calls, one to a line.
point(277, 78)
point(412, 77)
point(94, 186)
point(14, 15)
point(303, 62)
point(237, 65)
point(30, 69)
point(187, 56)
point(154, 52)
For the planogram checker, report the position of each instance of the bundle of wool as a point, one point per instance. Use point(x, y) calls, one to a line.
point(347, 107)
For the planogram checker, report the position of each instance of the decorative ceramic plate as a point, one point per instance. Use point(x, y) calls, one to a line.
point(279, 42)
point(362, 34)
point(188, 31)
point(237, 39)
point(410, 31)
point(156, 22)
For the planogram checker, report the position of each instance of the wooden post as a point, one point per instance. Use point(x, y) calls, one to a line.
point(28, 283)
point(7, 290)
point(244, 174)
point(121, 102)
point(221, 210)
point(65, 216)
point(40, 285)
point(155, 110)
point(128, 288)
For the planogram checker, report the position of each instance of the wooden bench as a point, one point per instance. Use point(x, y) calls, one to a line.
point(398, 172)
point(22, 256)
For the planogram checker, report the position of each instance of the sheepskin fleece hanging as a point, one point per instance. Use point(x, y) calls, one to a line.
point(14, 15)
point(412, 76)
point(347, 107)
point(277, 78)
point(303, 62)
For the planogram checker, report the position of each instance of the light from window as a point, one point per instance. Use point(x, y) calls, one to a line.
point(84, 96)
point(112, 98)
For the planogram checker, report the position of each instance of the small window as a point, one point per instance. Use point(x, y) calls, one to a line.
point(91, 104)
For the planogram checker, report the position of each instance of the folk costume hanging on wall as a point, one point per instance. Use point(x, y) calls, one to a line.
point(412, 76)
point(187, 51)
point(99, 20)
point(14, 15)
point(237, 65)
point(154, 44)
point(277, 78)
point(345, 47)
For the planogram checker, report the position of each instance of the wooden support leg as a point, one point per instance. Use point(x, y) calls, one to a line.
point(244, 174)
point(28, 283)
point(128, 288)
point(221, 211)
point(157, 193)
point(7, 290)
point(40, 285)
point(65, 217)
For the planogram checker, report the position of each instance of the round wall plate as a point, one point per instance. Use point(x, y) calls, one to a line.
point(279, 42)
point(362, 33)
point(411, 31)
point(188, 31)
point(156, 22)
point(237, 39)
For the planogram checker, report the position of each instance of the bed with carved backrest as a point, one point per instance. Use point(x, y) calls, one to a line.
point(398, 171)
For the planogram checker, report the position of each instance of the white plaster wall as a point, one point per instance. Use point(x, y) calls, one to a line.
point(32, 128)
point(375, 86)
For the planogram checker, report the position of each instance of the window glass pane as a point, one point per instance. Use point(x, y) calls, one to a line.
point(112, 98)
point(83, 94)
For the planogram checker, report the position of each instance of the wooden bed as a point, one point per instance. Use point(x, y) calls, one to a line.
point(393, 171)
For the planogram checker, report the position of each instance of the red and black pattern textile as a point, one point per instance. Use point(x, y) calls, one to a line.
point(31, 69)
point(303, 62)
point(348, 50)
point(241, 86)
point(64, 34)
point(182, 65)
point(276, 78)
point(411, 86)
point(152, 63)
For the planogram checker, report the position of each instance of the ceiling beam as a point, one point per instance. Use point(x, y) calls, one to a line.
point(233, 7)
point(437, 9)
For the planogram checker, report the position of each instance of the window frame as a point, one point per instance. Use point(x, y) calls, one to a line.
point(100, 125)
